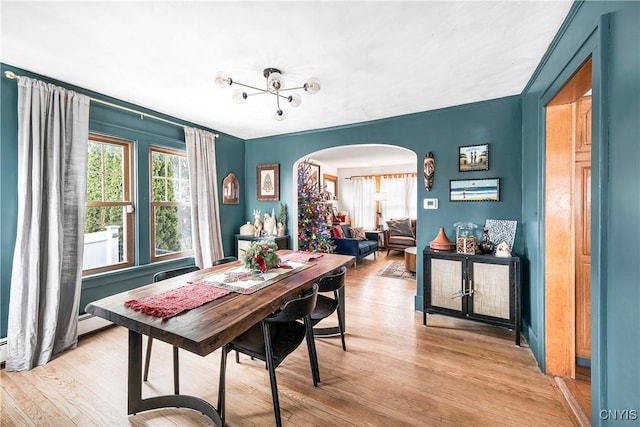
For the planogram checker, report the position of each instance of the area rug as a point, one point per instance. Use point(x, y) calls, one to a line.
point(396, 270)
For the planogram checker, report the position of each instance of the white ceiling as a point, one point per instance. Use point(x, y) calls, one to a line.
point(374, 59)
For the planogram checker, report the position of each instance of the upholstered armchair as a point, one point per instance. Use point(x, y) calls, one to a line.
point(400, 234)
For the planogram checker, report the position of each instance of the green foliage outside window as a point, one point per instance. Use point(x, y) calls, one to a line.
point(170, 183)
point(105, 183)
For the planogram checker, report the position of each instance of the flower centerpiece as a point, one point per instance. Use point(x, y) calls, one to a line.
point(260, 255)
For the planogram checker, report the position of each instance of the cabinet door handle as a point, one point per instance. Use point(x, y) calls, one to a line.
point(470, 290)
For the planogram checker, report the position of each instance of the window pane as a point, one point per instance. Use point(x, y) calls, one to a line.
point(158, 190)
point(105, 172)
point(113, 188)
point(157, 162)
point(104, 237)
point(94, 187)
point(172, 229)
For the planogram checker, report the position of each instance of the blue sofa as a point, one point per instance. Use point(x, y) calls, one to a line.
point(357, 248)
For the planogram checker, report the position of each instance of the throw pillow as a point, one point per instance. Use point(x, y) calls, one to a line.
point(400, 227)
point(358, 233)
point(337, 232)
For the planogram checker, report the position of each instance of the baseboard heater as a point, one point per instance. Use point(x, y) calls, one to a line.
point(86, 323)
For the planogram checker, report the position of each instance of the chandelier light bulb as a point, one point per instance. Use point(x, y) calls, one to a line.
point(295, 100)
point(312, 86)
point(280, 115)
point(276, 81)
point(223, 80)
point(239, 96)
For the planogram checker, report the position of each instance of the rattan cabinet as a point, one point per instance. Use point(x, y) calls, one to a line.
point(484, 288)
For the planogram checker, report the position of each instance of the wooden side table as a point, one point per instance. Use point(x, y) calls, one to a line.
point(410, 258)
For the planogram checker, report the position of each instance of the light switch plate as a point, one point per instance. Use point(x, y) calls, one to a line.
point(430, 203)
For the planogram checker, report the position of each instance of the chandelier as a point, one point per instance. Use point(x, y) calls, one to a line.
point(274, 86)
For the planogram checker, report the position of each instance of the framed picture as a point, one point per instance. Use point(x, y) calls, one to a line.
point(473, 158)
point(268, 182)
point(314, 172)
point(230, 190)
point(331, 185)
point(474, 190)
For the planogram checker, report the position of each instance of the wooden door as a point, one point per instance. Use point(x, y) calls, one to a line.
point(582, 212)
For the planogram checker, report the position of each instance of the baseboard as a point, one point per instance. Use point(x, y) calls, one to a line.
point(86, 323)
point(581, 417)
point(90, 323)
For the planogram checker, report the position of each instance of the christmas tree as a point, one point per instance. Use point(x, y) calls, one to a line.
point(313, 235)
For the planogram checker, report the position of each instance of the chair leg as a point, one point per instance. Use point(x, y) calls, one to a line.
point(311, 347)
point(221, 383)
point(147, 359)
point(340, 319)
point(176, 371)
point(272, 373)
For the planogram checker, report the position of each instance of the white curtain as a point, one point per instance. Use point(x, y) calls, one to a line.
point(53, 130)
point(401, 196)
point(205, 220)
point(363, 205)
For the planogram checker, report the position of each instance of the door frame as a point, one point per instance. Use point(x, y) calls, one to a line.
point(595, 46)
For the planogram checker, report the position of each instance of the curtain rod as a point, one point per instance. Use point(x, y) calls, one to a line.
point(384, 175)
point(12, 76)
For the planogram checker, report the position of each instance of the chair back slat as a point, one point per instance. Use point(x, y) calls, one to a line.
point(168, 274)
point(223, 260)
point(297, 308)
point(332, 282)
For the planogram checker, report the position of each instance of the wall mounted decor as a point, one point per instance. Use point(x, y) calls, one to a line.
point(501, 230)
point(429, 170)
point(268, 182)
point(230, 190)
point(473, 158)
point(474, 190)
point(314, 173)
point(330, 186)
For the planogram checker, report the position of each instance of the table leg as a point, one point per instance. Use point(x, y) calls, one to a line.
point(137, 404)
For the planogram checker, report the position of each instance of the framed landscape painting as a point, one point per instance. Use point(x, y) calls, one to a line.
point(473, 158)
point(474, 190)
point(268, 182)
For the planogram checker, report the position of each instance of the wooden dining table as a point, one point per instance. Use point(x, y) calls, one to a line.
point(203, 329)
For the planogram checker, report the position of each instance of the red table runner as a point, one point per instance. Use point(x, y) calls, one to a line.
point(171, 303)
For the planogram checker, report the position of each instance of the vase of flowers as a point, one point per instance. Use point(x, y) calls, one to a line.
point(260, 255)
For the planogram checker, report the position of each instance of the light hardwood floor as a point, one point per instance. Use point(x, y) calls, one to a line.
point(395, 372)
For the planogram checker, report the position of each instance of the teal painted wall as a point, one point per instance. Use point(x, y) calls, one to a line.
point(610, 33)
point(118, 123)
point(497, 122)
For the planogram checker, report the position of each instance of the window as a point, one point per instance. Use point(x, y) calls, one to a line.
point(108, 239)
point(170, 204)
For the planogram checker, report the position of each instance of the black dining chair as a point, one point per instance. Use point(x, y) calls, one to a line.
point(272, 340)
point(163, 275)
point(223, 260)
point(326, 306)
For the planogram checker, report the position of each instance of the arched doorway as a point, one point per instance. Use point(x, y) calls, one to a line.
point(336, 164)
